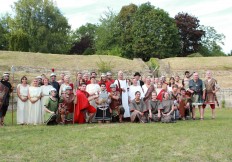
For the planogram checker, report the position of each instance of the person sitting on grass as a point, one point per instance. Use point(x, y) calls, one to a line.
point(116, 108)
point(138, 109)
point(167, 108)
point(82, 105)
point(103, 109)
point(66, 106)
point(184, 105)
point(50, 108)
point(153, 105)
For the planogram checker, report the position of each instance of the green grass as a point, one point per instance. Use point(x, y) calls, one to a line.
point(208, 140)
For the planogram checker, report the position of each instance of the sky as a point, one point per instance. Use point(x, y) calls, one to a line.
point(214, 13)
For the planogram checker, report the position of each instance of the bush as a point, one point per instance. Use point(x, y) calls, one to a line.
point(195, 55)
point(104, 66)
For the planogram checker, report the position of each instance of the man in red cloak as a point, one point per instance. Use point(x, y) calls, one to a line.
point(82, 105)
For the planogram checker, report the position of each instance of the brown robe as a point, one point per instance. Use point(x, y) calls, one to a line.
point(148, 95)
point(210, 87)
point(182, 103)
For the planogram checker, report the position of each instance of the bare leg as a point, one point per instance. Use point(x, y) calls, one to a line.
point(91, 115)
point(99, 121)
point(108, 121)
point(63, 119)
point(193, 113)
point(213, 113)
point(120, 118)
point(201, 112)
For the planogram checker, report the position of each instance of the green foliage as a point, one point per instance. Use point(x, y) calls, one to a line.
point(211, 42)
point(153, 63)
point(104, 66)
point(195, 55)
point(223, 104)
point(154, 33)
point(41, 27)
point(3, 33)
point(106, 32)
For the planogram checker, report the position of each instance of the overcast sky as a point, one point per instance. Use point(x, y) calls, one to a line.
point(215, 13)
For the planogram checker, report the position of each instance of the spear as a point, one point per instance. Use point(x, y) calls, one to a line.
point(12, 71)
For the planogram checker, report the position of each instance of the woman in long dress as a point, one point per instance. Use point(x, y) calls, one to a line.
point(22, 103)
point(46, 88)
point(123, 89)
point(35, 108)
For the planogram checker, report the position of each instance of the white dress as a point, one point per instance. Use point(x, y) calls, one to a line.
point(134, 89)
point(125, 104)
point(22, 107)
point(144, 87)
point(35, 109)
point(45, 95)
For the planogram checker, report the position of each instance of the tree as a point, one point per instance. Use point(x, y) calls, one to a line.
point(125, 23)
point(84, 39)
point(188, 27)
point(107, 35)
point(41, 24)
point(211, 41)
point(4, 31)
point(154, 33)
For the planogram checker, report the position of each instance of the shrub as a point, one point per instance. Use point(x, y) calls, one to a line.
point(195, 55)
point(104, 66)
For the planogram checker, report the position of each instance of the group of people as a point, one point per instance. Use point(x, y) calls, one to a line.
point(106, 100)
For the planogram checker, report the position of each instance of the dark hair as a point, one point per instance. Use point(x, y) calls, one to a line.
point(93, 72)
point(83, 83)
point(102, 84)
point(170, 81)
point(137, 92)
point(154, 92)
point(24, 77)
point(92, 78)
point(175, 86)
point(182, 89)
point(186, 72)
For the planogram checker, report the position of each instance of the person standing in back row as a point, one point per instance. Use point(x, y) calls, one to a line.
point(212, 87)
point(197, 89)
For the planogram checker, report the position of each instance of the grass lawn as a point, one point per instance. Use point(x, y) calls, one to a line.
point(208, 140)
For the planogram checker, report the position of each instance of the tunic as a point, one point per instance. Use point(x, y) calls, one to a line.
point(5, 90)
point(51, 105)
point(153, 106)
point(210, 85)
point(166, 107)
point(67, 103)
point(141, 107)
point(35, 109)
point(45, 95)
point(125, 104)
point(182, 103)
point(198, 87)
point(22, 107)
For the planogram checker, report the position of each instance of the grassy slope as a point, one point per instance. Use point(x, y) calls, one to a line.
point(221, 66)
point(208, 140)
point(66, 62)
point(200, 63)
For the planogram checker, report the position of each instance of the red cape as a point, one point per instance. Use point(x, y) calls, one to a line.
point(82, 103)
